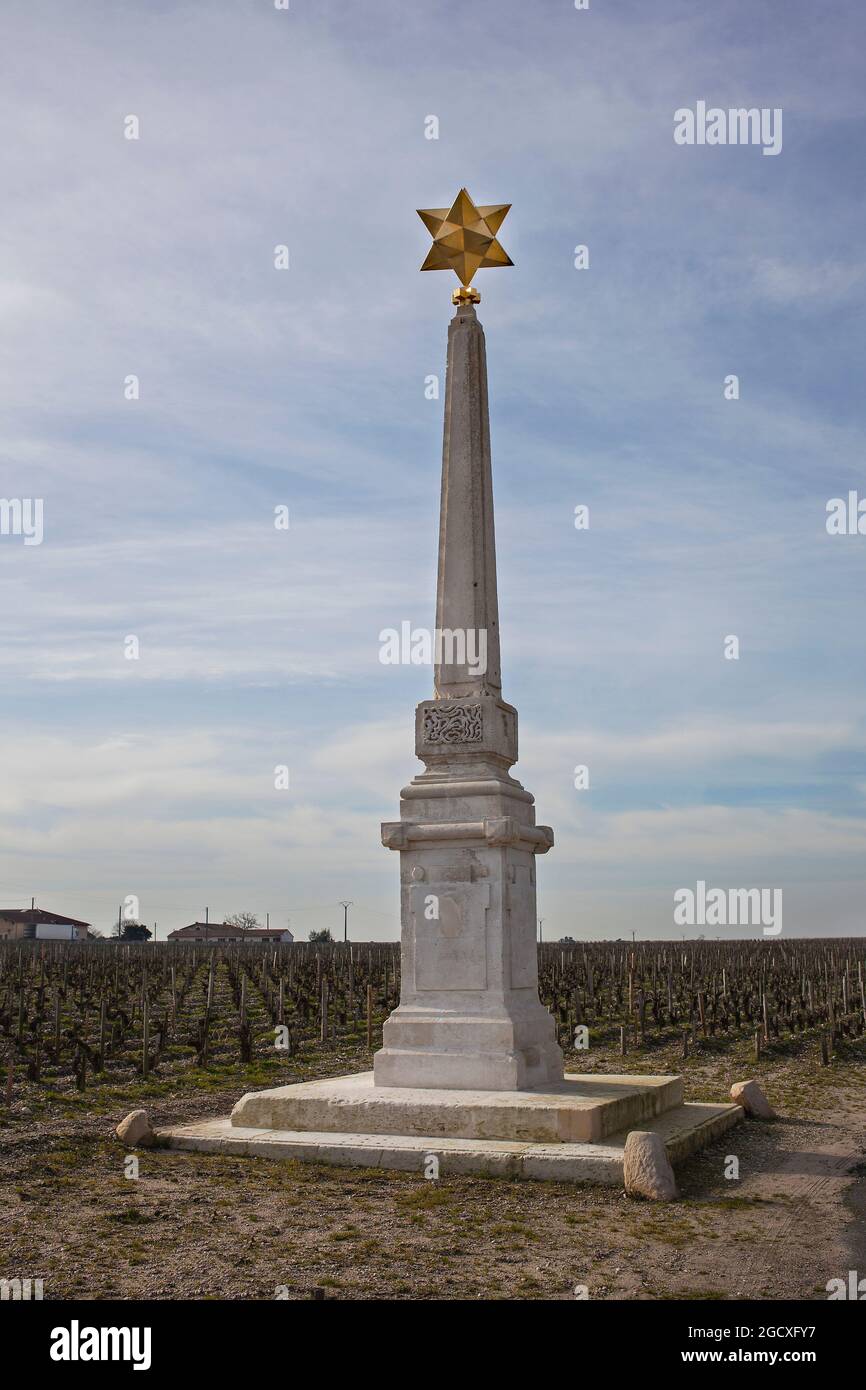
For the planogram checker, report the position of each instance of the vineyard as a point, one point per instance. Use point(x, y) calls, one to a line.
point(76, 1016)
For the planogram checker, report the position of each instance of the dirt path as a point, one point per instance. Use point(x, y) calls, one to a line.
point(816, 1178)
point(799, 1176)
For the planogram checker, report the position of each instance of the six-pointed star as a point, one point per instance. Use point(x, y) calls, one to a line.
point(464, 237)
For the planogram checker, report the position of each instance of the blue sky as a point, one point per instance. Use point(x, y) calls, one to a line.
point(305, 387)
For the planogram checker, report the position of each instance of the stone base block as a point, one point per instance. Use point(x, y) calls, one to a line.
point(502, 1070)
point(577, 1109)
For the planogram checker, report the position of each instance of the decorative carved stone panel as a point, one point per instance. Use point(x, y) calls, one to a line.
point(453, 724)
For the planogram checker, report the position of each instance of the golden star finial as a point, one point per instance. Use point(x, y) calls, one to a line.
point(464, 240)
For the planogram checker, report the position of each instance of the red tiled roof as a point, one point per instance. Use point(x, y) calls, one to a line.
point(227, 929)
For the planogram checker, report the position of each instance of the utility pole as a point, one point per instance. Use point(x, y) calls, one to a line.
point(540, 924)
point(345, 904)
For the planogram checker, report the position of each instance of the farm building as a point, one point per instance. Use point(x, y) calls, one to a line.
point(219, 933)
point(34, 924)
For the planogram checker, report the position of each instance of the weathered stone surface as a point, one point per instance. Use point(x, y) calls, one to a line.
point(683, 1129)
point(135, 1130)
point(646, 1168)
point(752, 1098)
point(580, 1108)
point(466, 597)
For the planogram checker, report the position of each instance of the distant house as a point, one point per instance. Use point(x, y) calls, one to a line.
point(34, 924)
point(222, 933)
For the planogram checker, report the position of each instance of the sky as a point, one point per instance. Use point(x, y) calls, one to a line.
point(259, 387)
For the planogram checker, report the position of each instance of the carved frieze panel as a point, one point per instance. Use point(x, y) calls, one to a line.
point(453, 724)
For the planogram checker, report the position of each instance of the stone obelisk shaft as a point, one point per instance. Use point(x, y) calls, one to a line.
point(469, 1016)
point(466, 598)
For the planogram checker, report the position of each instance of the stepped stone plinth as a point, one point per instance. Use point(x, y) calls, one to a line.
point(567, 1134)
point(579, 1108)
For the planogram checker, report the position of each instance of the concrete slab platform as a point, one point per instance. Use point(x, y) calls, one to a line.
point(684, 1129)
point(580, 1109)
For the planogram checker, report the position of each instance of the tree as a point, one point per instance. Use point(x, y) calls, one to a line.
point(320, 937)
point(245, 920)
point(133, 931)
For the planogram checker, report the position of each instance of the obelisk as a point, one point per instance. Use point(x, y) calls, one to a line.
point(469, 1016)
point(469, 1054)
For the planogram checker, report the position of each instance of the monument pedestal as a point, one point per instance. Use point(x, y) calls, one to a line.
point(469, 1015)
point(571, 1132)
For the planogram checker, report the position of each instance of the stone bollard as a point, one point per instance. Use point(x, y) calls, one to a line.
point(749, 1095)
point(647, 1171)
point(135, 1132)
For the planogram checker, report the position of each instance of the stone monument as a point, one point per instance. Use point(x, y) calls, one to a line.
point(469, 1013)
point(470, 1068)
